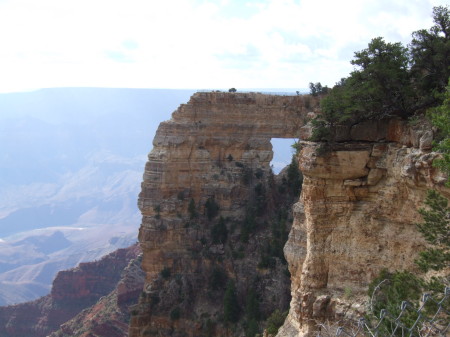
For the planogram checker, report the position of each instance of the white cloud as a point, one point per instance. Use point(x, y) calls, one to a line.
point(193, 43)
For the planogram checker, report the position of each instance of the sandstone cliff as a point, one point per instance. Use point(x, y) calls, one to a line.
point(72, 291)
point(355, 216)
point(214, 153)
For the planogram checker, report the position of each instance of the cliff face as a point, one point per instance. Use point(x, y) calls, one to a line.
point(203, 152)
point(215, 151)
point(73, 290)
point(356, 216)
point(110, 315)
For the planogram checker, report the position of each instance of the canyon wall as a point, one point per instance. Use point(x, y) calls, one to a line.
point(203, 152)
point(75, 290)
point(355, 216)
point(215, 150)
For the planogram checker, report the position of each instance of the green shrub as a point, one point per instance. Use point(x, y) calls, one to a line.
point(231, 308)
point(192, 209)
point(157, 209)
point(211, 208)
point(175, 314)
point(435, 229)
point(218, 278)
point(251, 328)
point(388, 291)
point(252, 305)
point(219, 232)
point(275, 321)
point(165, 273)
point(247, 176)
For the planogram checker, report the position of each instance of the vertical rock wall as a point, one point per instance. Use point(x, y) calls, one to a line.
point(356, 216)
point(207, 151)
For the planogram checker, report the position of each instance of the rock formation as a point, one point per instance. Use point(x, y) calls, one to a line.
point(203, 152)
point(110, 315)
point(356, 214)
point(72, 291)
point(216, 151)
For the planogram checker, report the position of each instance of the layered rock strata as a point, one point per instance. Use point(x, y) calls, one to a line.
point(203, 152)
point(356, 216)
point(72, 291)
point(110, 315)
point(216, 148)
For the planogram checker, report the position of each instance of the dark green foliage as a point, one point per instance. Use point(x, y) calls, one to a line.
point(378, 88)
point(219, 232)
point(266, 261)
point(381, 86)
point(430, 53)
point(192, 209)
point(211, 208)
point(252, 328)
point(230, 157)
point(247, 175)
point(440, 117)
point(217, 278)
point(390, 80)
point(248, 225)
point(294, 177)
point(273, 247)
point(275, 321)
point(436, 230)
point(231, 308)
point(259, 173)
point(209, 328)
point(252, 305)
point(165, 273)
point(239, 254)
point(388, 291)
point(157, 209)
point(260, 199)
point(232, 90)
point(317, 89)
point(154, 300)
point(175, 314)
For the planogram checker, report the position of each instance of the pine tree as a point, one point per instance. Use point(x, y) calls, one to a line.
point(192, 209)
point(440, 117)
point(436, 230)
point(230, 303)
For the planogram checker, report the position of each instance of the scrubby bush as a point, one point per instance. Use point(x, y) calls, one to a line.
point(211, 208)
point(219, 232)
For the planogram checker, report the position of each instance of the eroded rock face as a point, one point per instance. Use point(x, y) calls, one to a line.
point(204, 151)
point(215, 147)
point(72, 291)
point(356, 216)
point(110, 315)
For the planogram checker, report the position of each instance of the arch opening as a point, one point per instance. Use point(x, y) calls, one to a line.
point(282, 153)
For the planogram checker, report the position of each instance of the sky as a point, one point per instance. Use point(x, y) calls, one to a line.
point(194, 44)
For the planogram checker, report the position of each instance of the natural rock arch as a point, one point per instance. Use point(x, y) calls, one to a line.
point(202, 152)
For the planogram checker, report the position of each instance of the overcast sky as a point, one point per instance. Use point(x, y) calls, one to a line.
point(198, 44)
